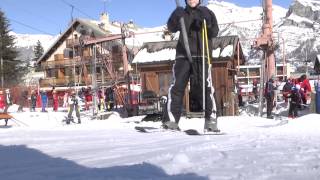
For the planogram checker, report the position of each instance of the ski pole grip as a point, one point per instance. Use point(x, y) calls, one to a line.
point(177, 3)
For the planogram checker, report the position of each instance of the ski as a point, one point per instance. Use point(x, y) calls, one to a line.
point(190, 132)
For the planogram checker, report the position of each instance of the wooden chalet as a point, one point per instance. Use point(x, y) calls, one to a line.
point(227, 56)
point(76, 54)
point(155, 60)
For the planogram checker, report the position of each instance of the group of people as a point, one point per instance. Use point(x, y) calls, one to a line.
point(295, 92)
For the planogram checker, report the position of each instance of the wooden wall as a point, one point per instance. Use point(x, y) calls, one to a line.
point(223, 82)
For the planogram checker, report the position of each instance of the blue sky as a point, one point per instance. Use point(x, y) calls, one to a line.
point(53, 16)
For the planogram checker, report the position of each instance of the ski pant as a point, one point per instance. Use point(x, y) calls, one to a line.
point(293, 109)
point(182, 72)
point(76, 108)
point(269, 104)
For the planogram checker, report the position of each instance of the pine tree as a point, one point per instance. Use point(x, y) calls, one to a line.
point(38, 51)
point(13, 69)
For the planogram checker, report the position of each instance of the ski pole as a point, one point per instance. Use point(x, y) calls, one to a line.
point(184, 35)
point(209, 68)
point(203, 69)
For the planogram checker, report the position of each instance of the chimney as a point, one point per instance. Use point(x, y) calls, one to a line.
point(104, 21)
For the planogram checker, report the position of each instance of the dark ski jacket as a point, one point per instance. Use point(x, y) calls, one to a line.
point(193, 18)
point(295, 96)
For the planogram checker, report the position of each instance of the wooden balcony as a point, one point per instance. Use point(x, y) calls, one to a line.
point(59, 82)
point(65, 63)
point(72, 43)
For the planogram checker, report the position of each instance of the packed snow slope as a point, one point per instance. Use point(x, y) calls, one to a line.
point(37, 146)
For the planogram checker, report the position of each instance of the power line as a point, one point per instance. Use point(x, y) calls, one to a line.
point(74, 7)
point(237, 22)
point(31, 27)
point(32, 13)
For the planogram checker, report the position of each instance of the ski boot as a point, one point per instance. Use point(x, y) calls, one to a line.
point(79, 121)
point(170, 125)
point(210, 125)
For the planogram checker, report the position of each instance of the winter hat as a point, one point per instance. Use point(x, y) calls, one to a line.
point(200, 1)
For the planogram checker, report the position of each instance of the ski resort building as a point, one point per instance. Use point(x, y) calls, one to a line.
point(87, 55)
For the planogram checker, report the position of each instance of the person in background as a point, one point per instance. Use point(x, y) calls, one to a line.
point(305, 89)
point(2, 105)
point(74, 105)
point(65, 99)
point(55, 100)
point(2, 101)
point(101, 104)
point(286, 90)
point(239, 89)
point(295, 101)
point(8, 100)
point(269, 94)
point(22, 100)
point(44, 100)
point(33, 101)
point(109, 98)
point(88, 98)
point(255, 89)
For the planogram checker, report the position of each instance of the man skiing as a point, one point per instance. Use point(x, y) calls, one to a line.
point(194, 16)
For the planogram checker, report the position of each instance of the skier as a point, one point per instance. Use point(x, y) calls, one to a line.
point(74, 105)
point(8, 100)
point(22, 100)
point(295, 102)
point(44, 100)
point(33, 101)
point(269, 94)
point(109, 98)
point(55, 100)
point(194, 16)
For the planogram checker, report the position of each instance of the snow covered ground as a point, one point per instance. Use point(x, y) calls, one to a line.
point(38, 146)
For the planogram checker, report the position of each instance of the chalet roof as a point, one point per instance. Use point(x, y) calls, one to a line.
point(223, 47)
point(156, 52)
point(83, 24)
point(226, 46)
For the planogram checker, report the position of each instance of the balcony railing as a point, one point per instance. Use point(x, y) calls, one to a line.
point(66, 81)
point(64, 63)
point(72, 42)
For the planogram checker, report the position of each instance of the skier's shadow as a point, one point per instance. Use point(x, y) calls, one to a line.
point(20, 162)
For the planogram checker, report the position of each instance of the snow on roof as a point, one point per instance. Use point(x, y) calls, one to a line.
point(144, 56)
point(226, 52)
point(318, 58)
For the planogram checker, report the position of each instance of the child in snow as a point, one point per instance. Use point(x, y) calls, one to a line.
point(295, 101)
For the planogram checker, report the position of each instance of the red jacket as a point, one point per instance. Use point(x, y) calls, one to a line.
point(305, 84)
point(2, 101)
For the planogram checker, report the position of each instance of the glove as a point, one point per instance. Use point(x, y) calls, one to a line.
point(207, 16)
point(196, 24)
point(178, 13)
